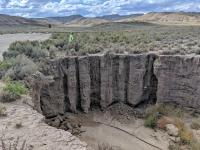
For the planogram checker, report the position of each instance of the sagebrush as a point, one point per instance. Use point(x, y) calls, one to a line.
point(12, 91)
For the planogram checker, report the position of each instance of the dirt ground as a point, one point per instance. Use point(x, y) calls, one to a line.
point(99, 129)
point(7, 39)
point(118, 128)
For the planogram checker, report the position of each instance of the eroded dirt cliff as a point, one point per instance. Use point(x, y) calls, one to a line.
point(81, 83)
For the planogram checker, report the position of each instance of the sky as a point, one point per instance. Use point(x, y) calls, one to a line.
point(91, 8)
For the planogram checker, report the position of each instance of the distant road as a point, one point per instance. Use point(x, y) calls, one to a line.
point(7, 39)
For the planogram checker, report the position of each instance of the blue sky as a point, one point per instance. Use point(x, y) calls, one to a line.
point(44, 8)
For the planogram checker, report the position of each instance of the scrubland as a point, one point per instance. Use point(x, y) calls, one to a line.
point(22, 59)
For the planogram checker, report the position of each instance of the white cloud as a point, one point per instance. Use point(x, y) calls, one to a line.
point(41, 8)
point(17, 3)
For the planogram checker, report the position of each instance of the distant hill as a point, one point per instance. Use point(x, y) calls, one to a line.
point(64, 19)
point(86, 22)
point(171, 17)
point(6, 20)
point(73, 20)
point(78, 20)
point(117, 17)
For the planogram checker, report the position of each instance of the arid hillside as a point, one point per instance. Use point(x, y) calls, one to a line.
point(170, 17)
point(86, 22)
point(6, 20)
point(177, 18)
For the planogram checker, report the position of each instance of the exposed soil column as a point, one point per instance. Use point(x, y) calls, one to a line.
point(72, 84)
point(95, 80)
point(106, 81)
point(178, 80)
point(137, 71)
point(52, 95)
point(119, 77)
point(85, 82)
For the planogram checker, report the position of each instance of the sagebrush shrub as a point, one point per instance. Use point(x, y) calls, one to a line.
point(31, 49)
point(15, 87)
point(12, 91)
point(6, 64)
point(21, 67)
point(151, 120)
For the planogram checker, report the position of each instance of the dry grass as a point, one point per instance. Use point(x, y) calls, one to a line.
point(194, 145)
point(107, 147)
point(171, 114)
point(13, 146)
point(162, 114)
point(3, 111)
point(195, 124)
point(163, 121)
point(166, 110)
point(187, 139)
point(186, 136)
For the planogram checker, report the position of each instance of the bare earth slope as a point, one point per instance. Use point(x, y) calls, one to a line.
point(38, 135)
point(86, 22)
point(169, 18)
point(6, 20)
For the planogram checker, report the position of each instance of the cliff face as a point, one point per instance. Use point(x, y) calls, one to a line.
point(178, 80)
point(99, 81)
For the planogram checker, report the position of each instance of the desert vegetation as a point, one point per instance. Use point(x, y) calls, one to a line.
point(12, 91)
point(13, 146)
point(167, 40)
point(104, 146)
point(160, 116)
point(25, 58)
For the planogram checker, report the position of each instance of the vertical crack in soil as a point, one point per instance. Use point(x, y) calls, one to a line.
point(65, 88)
point(78, 84)
point(95, 83)
point(150, 83)
point(127, 65)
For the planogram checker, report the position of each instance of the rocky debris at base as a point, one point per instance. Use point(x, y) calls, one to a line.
point(122, 112)
point(28, 125)
point(65, 123)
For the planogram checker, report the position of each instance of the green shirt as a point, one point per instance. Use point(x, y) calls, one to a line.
point(71, 38)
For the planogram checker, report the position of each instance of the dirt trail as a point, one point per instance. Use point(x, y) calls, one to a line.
point(7, 39)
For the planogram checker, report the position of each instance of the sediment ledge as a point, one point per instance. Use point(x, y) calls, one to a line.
point(83, 82)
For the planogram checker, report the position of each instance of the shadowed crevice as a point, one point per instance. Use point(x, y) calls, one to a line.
point(150, 83)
